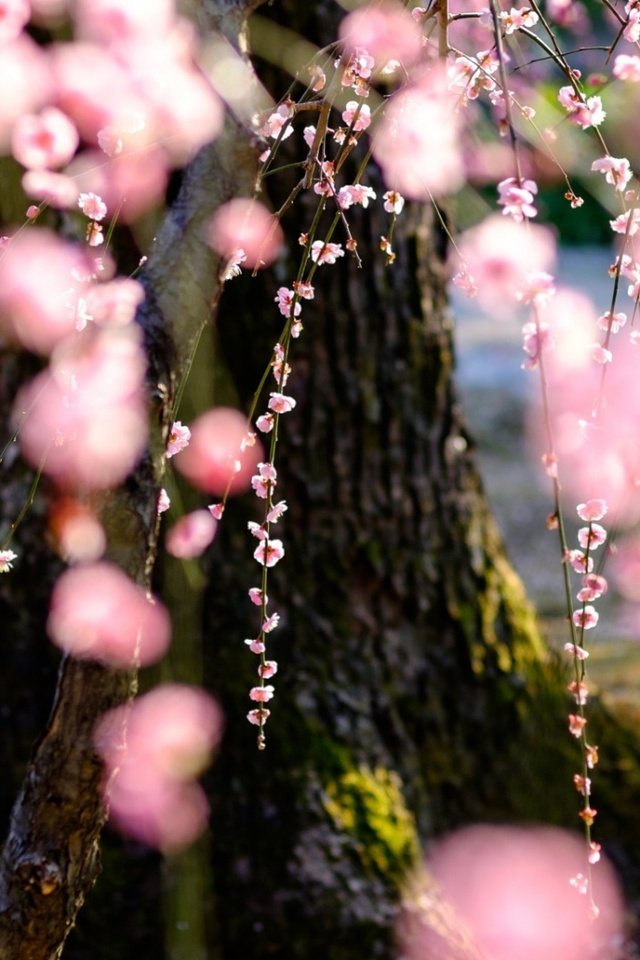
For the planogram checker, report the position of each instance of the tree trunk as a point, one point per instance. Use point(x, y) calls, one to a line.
point(405, 633)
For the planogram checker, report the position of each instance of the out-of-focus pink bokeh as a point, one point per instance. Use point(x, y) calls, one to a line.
point(246, 225)
point(387, 31)
point(515, 894)
point(98, 613)
point(215, 458)
point(152, 750)
point(84, 418)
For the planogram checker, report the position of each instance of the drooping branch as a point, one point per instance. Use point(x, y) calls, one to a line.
point(51, 857)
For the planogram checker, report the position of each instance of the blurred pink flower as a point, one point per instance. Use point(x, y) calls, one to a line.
point(110, 21)
point(114, 303)
point(509, 889)
point(76, 530)
point(191, 535)
point(416, 142)
point(247, 225)
point(44, 141)
point(179, 437)
point(14, 15)
point(56, 189)
point(25, 79)
point(385, 30)
point(152, 750)
point(39, 289)
point(131, 183)
point(98, 613)
point(500, 255)
point(86, 415)
point(213, 460)
point(594, 416)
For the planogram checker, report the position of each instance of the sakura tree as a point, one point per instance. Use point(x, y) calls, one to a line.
point(391, 675)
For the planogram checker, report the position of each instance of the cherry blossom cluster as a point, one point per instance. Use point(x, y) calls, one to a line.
point(585, 617)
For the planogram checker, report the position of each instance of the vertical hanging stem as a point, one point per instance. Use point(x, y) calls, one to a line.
point(443, 33)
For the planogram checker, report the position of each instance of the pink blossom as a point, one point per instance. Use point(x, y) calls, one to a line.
point(517, 198)
point(579, 561)
point(264, 423)
point(516, 19)
point(278, 121)
point(417, 140)
point(258, 717)
point(627, 67)
point(592, 510)
point(285, 300)
point(393, 201)
point(586, 618)
point(304, 289)
point(591, 537)
point(87, 413)
point(536, 338)
point(355, 193)
point(617, 171)
point(612, 324)
point(631, 31)
point(97, 613)
point(578, 652)
point(593, 587)
point(233, 265)
point(248, 225)
point(585, 112)
point(44, 141)
point(152, 750)
point(256, 596)
point(179, 437)
point(212, 460)
point(385, 30)
point(357, 115)
point(281, 403)
point(256, 646)
point(270, 623)
point(579, 691)
point(216, 510)
point(576, 725)
point(6, 560)
point(257, 530)
point(268, 669)
point(620, 224)
point(276, 511)
point(261, 694)
point(324, 252)
point(191, 535)
point(164, 501)
point(508, 888)
point(268, 472)
point(92, 206)
point(269, 552)
point(582, 785)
